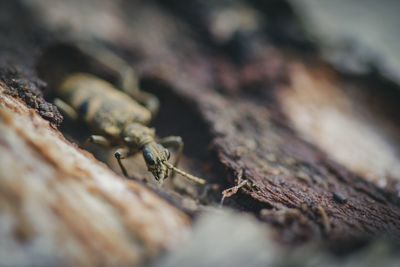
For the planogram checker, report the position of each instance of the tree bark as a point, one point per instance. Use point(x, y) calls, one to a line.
point(318, 148)
point(61, 207)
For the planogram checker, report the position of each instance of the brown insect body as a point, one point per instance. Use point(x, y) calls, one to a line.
point(106, 110)
point(120, 121)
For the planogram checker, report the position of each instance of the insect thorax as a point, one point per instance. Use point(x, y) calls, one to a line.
point(138, 135)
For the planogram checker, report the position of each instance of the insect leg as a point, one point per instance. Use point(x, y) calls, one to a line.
point(127, 76)
point(175, 142)
point(98, 140)
point(130, 85)
point(122, 153)
point(66, 109)
point(102, 55)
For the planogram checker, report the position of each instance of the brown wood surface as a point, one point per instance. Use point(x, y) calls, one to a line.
point(60, 206)
point(318, 148)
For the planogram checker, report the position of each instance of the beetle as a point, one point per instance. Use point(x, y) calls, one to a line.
point(117, 118)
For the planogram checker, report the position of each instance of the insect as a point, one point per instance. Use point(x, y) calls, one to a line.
point(120, 117)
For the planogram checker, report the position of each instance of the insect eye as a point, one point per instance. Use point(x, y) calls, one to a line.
point(148, 157)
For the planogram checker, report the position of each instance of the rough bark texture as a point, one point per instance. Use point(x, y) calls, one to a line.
point(289, 176)
point(253, 101)
point(54, 195)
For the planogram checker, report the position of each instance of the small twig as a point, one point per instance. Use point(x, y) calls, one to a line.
point(233, 190)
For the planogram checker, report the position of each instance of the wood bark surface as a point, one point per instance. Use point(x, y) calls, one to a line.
point(317, 147)
point(60, 206)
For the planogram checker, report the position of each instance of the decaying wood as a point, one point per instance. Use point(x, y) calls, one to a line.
point(54, 195)
point(319, 158)
point(252, 131)
point(285, 170)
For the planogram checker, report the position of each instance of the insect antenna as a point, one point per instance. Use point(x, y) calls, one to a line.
point(185, 174)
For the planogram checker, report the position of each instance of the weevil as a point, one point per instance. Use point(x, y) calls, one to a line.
point(120, 118)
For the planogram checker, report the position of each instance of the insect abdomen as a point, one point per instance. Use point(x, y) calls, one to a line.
point(101, 105)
